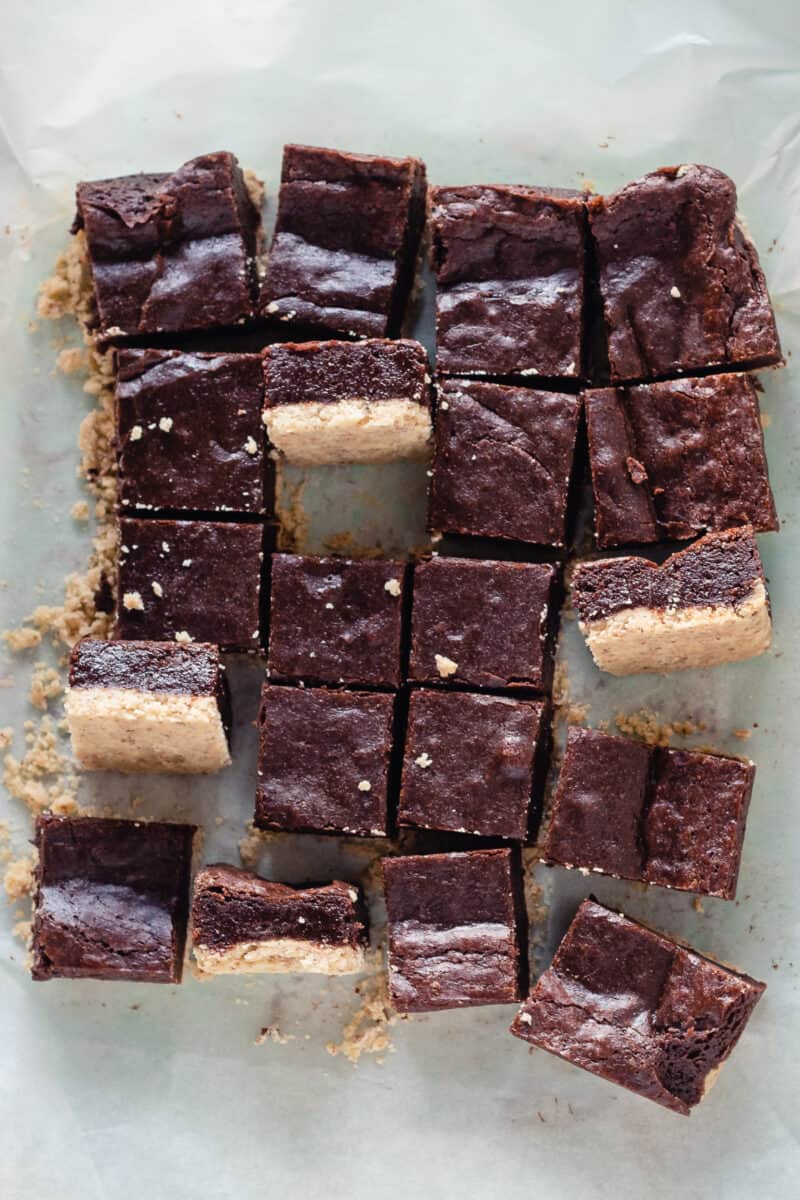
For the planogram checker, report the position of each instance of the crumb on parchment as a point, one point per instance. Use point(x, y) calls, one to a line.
point(646, 726)
point(43, 778)
point(19, 879)
point(367, 1031)
point(46, 685)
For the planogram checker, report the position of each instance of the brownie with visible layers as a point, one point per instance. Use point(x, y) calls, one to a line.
point(702, 606)
point(148, 706)
point(673, 460)
point(504, 462)
point(510, 264)
point(171, 252)
point(484, 624)
point(675, 818)
point(680, 280)
point(323, 761)
point(242, 924)
point(112, 899)
point(344, 252)
point(189, 432)
point(457, 930)
point(336, 620)
point(630, 1005)
point(345, 402)
point(190, 581)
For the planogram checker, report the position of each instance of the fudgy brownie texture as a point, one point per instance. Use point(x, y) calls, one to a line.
point(474, 764)
point(242, 923)
point(631, 1006)
point(189, 432)
point(680, 281)
point(457, 930)
point(484, 624)
point(343, 256)
point(336, 620)
point(673, 460)
point(191, 581)
point(111, 899)
point(323, 761)
point(509, 263)
point(503, 463)
point(704, 605)
point(171, 252)
point(670, 817)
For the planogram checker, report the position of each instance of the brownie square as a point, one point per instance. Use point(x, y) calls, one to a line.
point(336, 620)
point(457, 930)
point(503, 462)
point(629, 1005)
point(323, 761)
point(111, 900)
point(674, 460)
point(189, 432)
point(509, 263)
point(344, 252)
point(474, 764)
point(171, 252)
point(190, 581)
point(484, 624)
point(680, 280)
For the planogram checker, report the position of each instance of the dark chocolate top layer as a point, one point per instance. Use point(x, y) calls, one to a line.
point(189, 432)
point(327, 372)
point(503, 462)
point(333, 620)
point(111, 900)
point(346, 240)
point(230, 905)
point(192, 670)
point(626, 1003)
point(719, 569)
point(208, 573)
point(495, 620)
point(681, 283)
point(171, 252)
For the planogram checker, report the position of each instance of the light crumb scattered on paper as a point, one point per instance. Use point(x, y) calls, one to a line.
point(272, 1033)
point(80, 510)
point(293, 521)
point(43, 778)
point(21, 639)
point(571, 711)
point(46, 685)
point(19, 879)
point(646, 726)
point(367, 1031)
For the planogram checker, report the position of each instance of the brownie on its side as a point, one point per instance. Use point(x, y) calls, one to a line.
point(148, 706)
point(457, 930)
point(704, 605)
point(244, 924)
point(677, 459)
point(323, 761)
point(509, 263)
point(675, 818)
point(171, 252)
point(190, 581)
point(336, 620)
point(631, 1006)
point(344, 252)
point(680, 280)
point(474, 764)
point(345, 402)
point(503, 462)
point(484, 624)
point(190, 434)
point(112, 899)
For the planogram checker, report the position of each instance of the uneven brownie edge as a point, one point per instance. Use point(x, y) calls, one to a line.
point(193, 668)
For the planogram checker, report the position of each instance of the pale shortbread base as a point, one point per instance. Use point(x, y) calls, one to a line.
point(644, 640)
point(349, 431)
point(123, 729)
point(283, 955)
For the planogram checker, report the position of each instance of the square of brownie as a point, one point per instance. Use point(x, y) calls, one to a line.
point(323, 761)
point(474, 764)
point(189, 432)
point(112, 899)
point(336, 620)
point(504, 462)
point(484, 624)
point(680, 280)
point(190, 581)
point(457, 930)
point(343, 255)
point(509, 263)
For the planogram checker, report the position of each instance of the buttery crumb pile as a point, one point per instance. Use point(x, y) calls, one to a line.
point(367, 1031)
